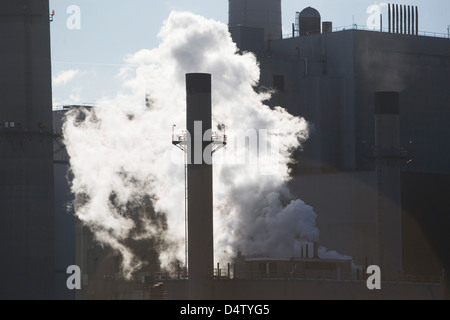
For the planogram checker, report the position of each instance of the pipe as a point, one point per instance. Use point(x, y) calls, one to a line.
point(396, 19)
point(389, 17)
point(381, 23)
point(417, 21)
point(404, 20)
point(401, 19)
point(409, 19)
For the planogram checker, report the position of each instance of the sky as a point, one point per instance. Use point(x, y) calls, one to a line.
point(91, 39)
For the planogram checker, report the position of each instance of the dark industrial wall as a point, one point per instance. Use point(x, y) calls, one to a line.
point(345, 204)
point(287, 289)
point(318, 72)
point(330, 80)
point(26, 152)
point(419, 69)
point(426, 221)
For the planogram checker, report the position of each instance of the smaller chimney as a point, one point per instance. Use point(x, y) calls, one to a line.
point(327, 26)
point(307, 251)
point(316, 251)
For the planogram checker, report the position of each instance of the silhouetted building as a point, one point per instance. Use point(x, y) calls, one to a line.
point(26, 156)
point(331, 79)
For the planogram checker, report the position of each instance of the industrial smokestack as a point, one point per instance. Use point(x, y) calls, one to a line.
point(316, 251)
point(200, 187)
point(26, 152)
point(327, 27)
point(307, 251)
point(388, 162)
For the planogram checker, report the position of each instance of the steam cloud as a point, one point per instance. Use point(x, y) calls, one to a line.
point(129, 179)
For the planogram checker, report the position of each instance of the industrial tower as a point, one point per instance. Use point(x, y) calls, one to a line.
point(26, 151)
point(199, 143)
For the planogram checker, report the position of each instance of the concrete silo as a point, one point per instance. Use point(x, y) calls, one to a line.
point(309, 21)
point(26, 151)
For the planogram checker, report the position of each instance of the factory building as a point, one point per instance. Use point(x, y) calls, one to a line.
point(375, 168)
point(366, 195)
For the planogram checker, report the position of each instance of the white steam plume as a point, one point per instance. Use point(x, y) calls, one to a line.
point(121, 154)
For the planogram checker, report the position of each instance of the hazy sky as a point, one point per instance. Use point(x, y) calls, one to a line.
point(89, 45)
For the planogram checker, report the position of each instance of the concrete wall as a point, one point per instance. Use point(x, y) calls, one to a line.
point(345, 205)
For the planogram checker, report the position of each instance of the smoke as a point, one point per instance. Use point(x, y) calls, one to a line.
point(129, 180)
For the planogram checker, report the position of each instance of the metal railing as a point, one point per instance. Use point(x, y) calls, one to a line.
point(384, 30)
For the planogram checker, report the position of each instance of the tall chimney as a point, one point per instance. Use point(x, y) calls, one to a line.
point(200, 187)
point(388, 163)
point(316, 251)
point(26, 152)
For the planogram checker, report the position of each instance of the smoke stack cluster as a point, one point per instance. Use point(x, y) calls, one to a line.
point(403, 19)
